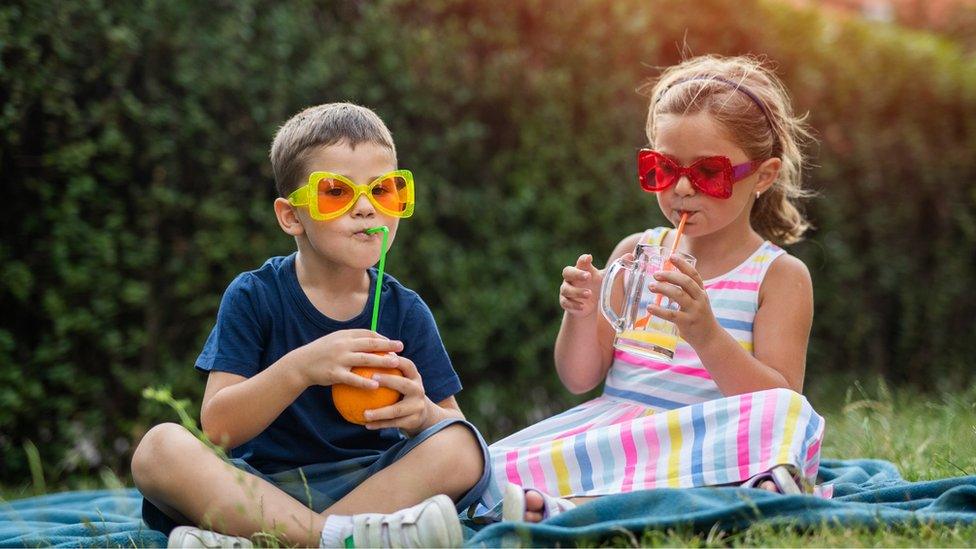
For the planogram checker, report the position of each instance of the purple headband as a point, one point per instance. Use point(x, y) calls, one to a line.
point(737, 87)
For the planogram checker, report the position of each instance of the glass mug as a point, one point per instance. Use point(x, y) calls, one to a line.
point(638, 331)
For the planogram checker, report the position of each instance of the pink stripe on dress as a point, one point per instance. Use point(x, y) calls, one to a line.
point(660, 366)
point(630, 456)
point(653, 451)
point(572, 432)
point(535, 469)
point(766, 429)
point(732, 285)
point(742, 441)
point(511, 468)
point(813, 450)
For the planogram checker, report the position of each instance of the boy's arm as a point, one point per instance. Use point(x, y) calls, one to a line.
point(445, 409)
point(236, 408)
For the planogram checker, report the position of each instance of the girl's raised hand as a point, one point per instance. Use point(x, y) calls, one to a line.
point(579, 291)
point(694, 319)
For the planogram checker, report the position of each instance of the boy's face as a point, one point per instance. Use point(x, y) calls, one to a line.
point(343, 240)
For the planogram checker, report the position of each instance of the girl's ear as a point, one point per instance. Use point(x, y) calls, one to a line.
point(288, 218)
point(768, 172)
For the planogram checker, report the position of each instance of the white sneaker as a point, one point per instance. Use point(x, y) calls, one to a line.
point(431, 523)
point(188, 536)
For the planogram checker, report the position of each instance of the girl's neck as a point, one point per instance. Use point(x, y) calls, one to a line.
point(721, 251)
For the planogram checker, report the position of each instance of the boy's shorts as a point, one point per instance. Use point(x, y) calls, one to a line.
point(326, 483)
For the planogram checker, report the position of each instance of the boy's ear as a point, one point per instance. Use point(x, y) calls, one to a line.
point(288, 218)
point(768, 172)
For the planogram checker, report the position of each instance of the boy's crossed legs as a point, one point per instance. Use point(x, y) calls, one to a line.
point(190, 483)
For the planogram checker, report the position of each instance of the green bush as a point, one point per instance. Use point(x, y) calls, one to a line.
point(133, 151)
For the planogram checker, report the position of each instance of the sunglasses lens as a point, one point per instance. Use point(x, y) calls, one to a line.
point(392, 194)
point(333, 195)
point(651, 167)
point(712, 176)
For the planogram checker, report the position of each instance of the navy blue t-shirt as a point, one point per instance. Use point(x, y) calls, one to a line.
point(265, 314)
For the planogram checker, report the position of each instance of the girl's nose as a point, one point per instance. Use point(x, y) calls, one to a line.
point(684, 187)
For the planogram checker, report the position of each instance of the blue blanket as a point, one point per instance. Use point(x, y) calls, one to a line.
point(867, 494)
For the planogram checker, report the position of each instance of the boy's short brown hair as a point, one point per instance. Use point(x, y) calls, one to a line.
point(321, 126)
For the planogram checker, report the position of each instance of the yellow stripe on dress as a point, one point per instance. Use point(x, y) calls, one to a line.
point(674, 455)
point(790, 426)
point(559, 464)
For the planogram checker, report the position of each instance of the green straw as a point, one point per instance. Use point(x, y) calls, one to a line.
point(379, 276)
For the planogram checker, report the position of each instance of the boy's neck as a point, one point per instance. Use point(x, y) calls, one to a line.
point(337, 291)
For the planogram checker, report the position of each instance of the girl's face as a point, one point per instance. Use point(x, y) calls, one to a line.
point(687, 138)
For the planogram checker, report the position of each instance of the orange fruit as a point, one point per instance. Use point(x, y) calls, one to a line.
point(351, 401)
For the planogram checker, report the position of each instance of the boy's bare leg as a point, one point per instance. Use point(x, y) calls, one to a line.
point(449, 462)
point(208, 490)
point(181, 476)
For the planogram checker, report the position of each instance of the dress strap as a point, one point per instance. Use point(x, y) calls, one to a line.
point(654, 236)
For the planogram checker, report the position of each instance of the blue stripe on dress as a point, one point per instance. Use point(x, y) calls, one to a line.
point(609, 464)
point(718, 457)
point(642, 398)
point(698, 428)
point(586, 468)
point(731, 324)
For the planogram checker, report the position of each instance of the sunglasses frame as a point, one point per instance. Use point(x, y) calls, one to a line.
point(301, 196)
point(733, 174)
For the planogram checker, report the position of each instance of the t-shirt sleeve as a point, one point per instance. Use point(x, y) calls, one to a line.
point(422, 344)
point(236, 343)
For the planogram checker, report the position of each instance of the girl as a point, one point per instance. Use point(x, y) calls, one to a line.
point(725, 155)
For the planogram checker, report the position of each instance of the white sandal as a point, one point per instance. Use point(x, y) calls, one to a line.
point(780, 476)
point(513, 504)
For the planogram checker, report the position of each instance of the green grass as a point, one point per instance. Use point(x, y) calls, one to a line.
point(926, 436)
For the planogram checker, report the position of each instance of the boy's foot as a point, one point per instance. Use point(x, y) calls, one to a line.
point(431, 523)
point(189, 536)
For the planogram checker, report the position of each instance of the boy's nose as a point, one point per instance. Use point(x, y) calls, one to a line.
point(684, 187)
point(363, 207)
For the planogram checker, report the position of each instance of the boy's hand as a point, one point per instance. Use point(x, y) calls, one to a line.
point(578, 294)
point(328, 359)
point(411, 412)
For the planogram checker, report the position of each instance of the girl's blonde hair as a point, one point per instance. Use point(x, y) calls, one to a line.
point(751, 103)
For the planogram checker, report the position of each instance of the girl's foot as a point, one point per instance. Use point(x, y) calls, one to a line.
point(778, 480)
point(530, 505)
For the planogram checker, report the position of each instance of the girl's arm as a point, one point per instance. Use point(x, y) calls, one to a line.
point(781, 329)
point(584, 346)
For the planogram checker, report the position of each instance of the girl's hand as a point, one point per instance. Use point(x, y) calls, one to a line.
point(695, 320)
point(578, 294)
point(411, 412)
point(328, 359)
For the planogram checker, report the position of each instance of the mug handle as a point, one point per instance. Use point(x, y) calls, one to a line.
point(607, 288)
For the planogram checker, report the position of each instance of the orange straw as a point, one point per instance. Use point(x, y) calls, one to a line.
point(642, 323)
point(674, 246)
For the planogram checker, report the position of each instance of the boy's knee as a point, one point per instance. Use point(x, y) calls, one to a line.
point(159, 448)
point(459, 451)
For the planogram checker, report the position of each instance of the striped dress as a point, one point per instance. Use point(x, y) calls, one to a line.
point(665, 423)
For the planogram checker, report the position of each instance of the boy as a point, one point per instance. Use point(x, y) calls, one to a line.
point(288, 331)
